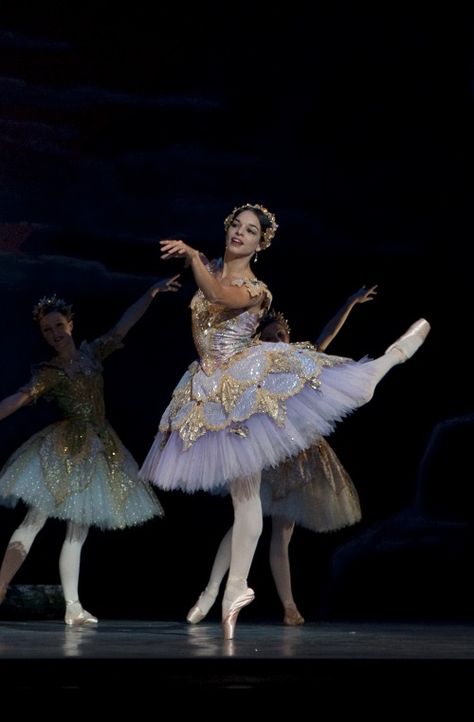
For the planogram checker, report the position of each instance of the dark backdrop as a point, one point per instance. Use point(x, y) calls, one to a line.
point(118, 128)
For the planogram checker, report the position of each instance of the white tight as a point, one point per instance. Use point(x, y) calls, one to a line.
point(20, 544)
point(237, 548)
point(282, 531)
point(26, 533)
point(70, 559)
point(246, 532)
point(378, 368)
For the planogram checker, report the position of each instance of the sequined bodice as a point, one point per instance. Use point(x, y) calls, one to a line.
point(77, 387)
point(218, 332)
point(80, 395)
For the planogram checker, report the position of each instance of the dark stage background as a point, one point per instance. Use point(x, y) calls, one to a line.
point(119, 128)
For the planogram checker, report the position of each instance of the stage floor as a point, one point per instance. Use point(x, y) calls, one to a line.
point(124, 658)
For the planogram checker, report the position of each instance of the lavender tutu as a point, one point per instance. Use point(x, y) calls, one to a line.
point(246, 405)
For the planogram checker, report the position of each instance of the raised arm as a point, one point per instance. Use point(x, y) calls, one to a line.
point(12, 403)
point(333, 327)
point(215, 290)
point(136, 311)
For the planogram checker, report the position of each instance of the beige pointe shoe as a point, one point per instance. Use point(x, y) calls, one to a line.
point(411, 340)
point(76, 615)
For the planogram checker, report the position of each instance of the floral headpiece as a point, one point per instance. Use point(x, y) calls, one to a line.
point(268, 233)
point(51, 303)
point(273, 316)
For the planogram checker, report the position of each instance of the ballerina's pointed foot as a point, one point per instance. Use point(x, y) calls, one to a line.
point(411, 340)
point(196, 614)
point(292, 616)
point(229, 619)
point(200, 610)
point(76, 615)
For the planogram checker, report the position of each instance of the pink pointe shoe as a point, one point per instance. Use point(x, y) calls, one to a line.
point(196, 614)
point(411, 340)
point(229, 620)
point(203, 605)
point(76, 615)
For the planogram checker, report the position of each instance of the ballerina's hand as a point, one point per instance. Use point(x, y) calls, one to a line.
point(365, 294)
point(176, 249)
point(168, 284)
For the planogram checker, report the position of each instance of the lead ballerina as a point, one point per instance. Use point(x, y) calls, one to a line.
point(243, 405)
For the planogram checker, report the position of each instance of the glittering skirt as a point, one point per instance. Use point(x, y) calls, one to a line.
point(268, 404)
point(81, 474)
point(312, 489)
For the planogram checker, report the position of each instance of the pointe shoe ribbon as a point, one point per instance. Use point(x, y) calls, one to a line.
point(76, 615)
point(411, 340)
point(230, 618)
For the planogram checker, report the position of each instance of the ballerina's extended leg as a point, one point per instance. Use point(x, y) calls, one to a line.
point(411, 340)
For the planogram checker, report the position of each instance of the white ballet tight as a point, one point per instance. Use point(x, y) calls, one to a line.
point(70, 560)
point(378, 368)
point(237, 548)
point(20, 544)
point(282, 531)
point(246, 532)
point(219, 569)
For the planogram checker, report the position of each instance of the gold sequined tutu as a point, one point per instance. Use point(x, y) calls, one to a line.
point(78, 469)
point(94, 483)
point(312, 490)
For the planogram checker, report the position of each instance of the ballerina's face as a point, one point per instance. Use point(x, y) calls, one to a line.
point(56, 330)
point(244, 234)
point(275, 332)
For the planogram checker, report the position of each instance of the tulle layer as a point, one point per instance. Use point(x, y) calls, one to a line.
point(312, 490)
point(93, 489)
point(217, 458)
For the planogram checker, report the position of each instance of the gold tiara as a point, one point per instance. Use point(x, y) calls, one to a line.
point(50, 303)
point(268, 233)
point(274, 317)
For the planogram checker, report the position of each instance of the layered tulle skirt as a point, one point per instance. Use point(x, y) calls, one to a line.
point(266, 404)
point(312, 490)
point(80, 473)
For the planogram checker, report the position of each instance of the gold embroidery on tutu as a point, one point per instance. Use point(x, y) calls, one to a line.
point(230, 390)
point(270, 404)
point(69, 449)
